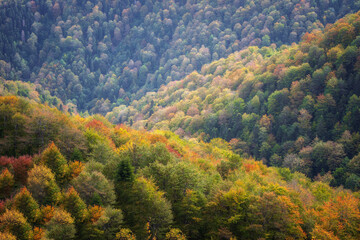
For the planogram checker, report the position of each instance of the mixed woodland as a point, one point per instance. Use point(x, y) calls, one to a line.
point(296, 106)
point(84, 178)
point(227, 119)
point(101, 54)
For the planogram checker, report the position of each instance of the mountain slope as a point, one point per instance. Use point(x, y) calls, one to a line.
point(100, 54)
point(297, 106)
point(104, 179)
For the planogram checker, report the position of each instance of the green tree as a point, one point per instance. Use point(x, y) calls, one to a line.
point(277, 100)
point(61, 226)
point(110, 222)
point(326, 156)
point(225, 214)
point(42, 185)
point(91, 185)
point(353, 113)
point(124, 180)
point(73, 204)
point(190, 213)
point(6, 183)
point(148, 207)
point(275, 217)
point(26, 204)
point(53, 159)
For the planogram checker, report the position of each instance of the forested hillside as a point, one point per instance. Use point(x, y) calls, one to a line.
point(237, 119)
point(84, 178)
point(34, 92)
point(101, 54)
point(297, 106)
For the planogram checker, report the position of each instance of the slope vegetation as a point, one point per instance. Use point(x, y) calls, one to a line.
point(112, 182)
point(100, 54)
point(296, 107)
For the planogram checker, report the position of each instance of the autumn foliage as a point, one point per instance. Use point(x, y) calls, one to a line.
point(129, 183)
point(262, 144)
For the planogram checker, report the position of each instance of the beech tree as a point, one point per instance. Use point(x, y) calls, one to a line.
point(110, 222)
point(343, 218)
point(6, 183)
point(148, 206)
point(42, 185)
point(26, 204)
point(61, 226)
point(7, 236)
point(15, 223)
point(277, 217)
point(53, 159)
point(92, 184)
point(74, 205)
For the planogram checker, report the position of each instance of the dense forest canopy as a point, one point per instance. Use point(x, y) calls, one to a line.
point(295, 107)
point(84, 178)
point(101, 54)
point(236, 119)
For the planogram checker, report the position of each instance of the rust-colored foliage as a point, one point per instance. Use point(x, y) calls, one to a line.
point(39, 233)
point(154, 138)
point(95, 212)
point(309, 37)
point(2, 207)
point(173, 151)
point(20, 166)
point(249, 167)
point(75, 168)
point(279, 70)
point(340, 32)
point(98, 126)
point(341, 216)
point(47, 212)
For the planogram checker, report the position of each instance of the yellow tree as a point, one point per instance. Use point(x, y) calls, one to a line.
point(61, 226)
point(14, 222)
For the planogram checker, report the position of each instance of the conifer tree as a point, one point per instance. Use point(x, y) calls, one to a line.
point(124, 180)
point(125, 172)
